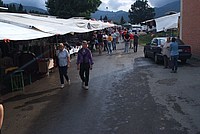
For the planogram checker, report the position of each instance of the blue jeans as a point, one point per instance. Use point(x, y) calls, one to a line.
point(174, 60)
point(109, 47)
point(114, 43)
point(126, 46)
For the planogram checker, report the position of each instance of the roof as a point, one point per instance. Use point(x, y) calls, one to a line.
point(43, 26)
point(165, 22)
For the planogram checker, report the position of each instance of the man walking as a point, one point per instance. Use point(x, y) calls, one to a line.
point(126, 40)
point(84, 64)
point(136, 38)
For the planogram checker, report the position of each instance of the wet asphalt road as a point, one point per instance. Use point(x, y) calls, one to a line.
point(127, 94)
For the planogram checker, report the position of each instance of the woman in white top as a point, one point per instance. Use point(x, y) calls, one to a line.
point(63, 64)
point(166, 53)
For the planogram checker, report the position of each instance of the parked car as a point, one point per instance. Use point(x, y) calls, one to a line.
point(154, 49)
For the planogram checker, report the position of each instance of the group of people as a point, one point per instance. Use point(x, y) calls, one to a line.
point(84, 64)
point(105, 40)
point(131, 40)
point(170, 54)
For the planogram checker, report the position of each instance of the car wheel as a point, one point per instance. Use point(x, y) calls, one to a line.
point(145, 54)
point(156, 58)
point(183, 61)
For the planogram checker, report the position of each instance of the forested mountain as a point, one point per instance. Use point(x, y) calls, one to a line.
point(27, 8)
point(116, 16)
point(174, 6)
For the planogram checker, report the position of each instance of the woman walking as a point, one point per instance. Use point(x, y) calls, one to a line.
point(84, 64)
point(109, 48)
point(63, 64)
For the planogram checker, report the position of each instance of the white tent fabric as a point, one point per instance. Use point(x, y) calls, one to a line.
point(51, 25)
point(12, 32)
point(167, 22)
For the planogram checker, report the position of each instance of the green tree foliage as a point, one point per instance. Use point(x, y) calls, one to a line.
point(141, 11)
point(100, 18)
point(37, 12)
point(20, 8)
point(72, 8)
point(1, 3)
point(122, 21)
point(12, 8)
point(15, 8)
point(105, 18)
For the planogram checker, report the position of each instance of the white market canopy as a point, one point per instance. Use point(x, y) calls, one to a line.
point(13, 32)
point(167, 22)
point(46, 26)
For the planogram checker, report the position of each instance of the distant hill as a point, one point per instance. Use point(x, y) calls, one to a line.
point(116, 16)
point(29, 8)
point(174, 6)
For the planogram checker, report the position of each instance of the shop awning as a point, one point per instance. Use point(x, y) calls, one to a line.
point(48, 25)
point(167, 22)
point(13, 32)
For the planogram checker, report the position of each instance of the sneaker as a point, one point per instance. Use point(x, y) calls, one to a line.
point(86, 87)
point(69, 82)
point(62, 86)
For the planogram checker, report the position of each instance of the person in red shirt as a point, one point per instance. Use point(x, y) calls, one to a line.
point(124, 33)
point(131, 40)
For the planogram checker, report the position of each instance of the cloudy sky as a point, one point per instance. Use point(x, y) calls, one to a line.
point(111, 5)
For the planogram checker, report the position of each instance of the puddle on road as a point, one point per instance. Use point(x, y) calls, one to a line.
point(178, 108)
point(167, 82)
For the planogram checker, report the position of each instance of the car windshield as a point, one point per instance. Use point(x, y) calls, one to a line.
point(161, 42)
point(158, 42)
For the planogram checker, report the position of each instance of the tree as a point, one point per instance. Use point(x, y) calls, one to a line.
point(101, 18)
point(72, 8)
point(20, 8)
point(1, 3)
point(12, 8)
point(105, 18)
point(141, 11)
point(122, 21)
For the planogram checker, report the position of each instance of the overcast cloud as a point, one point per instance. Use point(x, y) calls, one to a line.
point(110, 5)
point(115, 5)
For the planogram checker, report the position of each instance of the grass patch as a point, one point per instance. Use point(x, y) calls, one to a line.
point(144, 39)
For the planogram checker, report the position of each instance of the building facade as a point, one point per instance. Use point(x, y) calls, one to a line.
point(190, 25)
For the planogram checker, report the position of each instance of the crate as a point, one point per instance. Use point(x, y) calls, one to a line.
point(17, 80)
